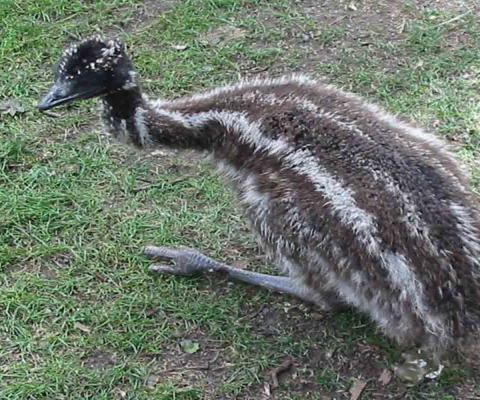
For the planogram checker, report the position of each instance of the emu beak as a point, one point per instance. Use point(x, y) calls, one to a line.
point(58, 94)
point(61, 93)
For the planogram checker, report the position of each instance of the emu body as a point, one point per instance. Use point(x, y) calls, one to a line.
point(354, 206)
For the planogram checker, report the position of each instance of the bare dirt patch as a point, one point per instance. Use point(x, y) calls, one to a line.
point(323, 369)
point(100, 360)
point(203, 363)
point(333, 362)
point(126, 21)
point(385, 19)
point(359, 28)
point(149, 10)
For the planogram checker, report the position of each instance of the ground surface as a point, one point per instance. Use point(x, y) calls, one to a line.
point(80, 316)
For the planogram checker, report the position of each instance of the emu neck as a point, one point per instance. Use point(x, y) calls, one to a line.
point(133, 119)
point(119, 111)
point(124, 102)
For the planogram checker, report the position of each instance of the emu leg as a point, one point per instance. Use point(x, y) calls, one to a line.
point(189, 262)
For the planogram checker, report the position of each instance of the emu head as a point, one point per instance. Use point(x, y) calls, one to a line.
point(95, 67)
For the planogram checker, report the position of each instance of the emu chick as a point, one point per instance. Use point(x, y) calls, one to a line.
point(355, 206)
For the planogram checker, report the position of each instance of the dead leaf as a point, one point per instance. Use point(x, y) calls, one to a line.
point(158, 153)
point(318, 316)
point(242, 264)
point(435, 374)
point(357, 389)
point(11, 107)
point(152, 381)
point(352, 6)
point(189, 346)
point(419, 64)
point(82, 327)
point(180, 47)
point(385, 377)
point(266, 389)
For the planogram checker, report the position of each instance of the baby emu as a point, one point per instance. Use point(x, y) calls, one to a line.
point(354, 206)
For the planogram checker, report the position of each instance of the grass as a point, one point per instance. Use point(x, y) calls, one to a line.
point(81, 317)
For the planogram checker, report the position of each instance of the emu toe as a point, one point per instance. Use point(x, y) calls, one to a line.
point(185, 261)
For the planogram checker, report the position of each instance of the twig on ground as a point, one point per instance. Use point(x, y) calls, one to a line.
point(253, 315)
point(159, 184)
point(449, 21)
point(357, 389)
point(52, 114)
point(202, 367)
point(276, 372)
point(337, 20)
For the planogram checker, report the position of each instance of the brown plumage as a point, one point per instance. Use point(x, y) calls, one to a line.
point(355, 206)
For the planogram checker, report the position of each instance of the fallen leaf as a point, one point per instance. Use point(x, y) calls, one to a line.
point(352, 6)
point(385, 377)
point(419, 64)
point(82, 327)
point(242, 264)
point(158, 153)
point(357, 389)
point(152, 380)
point(189, 346)
point(266, 389)
point(11, 107)
point(318, 316)
point(180, 47)
point(435, 374)
point(329, 354)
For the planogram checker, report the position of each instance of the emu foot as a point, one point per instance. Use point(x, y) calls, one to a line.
point(185, 261)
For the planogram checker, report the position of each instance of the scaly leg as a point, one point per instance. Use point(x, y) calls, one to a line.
point(189, 262)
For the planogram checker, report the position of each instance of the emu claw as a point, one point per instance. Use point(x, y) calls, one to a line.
point(185, 261)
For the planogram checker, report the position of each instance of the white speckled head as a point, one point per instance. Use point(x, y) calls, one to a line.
point(92, 54)
point(93, 67)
